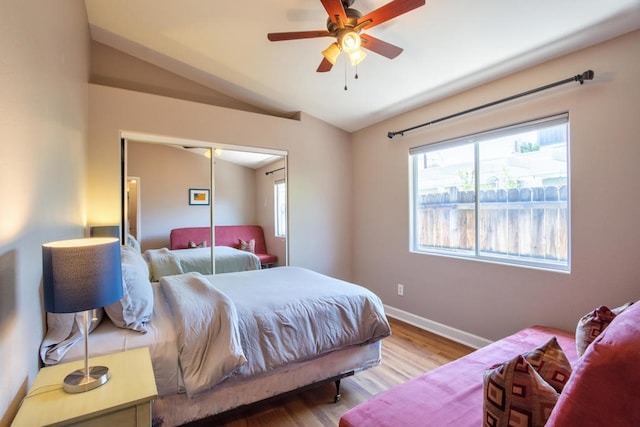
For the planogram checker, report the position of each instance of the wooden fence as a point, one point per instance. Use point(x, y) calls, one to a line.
point(527, 222)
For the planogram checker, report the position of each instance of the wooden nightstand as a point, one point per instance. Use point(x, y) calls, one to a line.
point(125, 400)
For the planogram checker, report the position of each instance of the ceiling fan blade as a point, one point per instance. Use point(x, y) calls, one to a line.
point(390, 11)
point(294, 35)
point(334, 8)
point(324, 66)
point(380, 47)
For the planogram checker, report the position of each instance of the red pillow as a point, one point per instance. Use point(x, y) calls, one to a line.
point(603, 389)
point(592, 324)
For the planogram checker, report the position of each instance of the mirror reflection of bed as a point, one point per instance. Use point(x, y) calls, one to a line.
point(247, 191)
point(237, 248)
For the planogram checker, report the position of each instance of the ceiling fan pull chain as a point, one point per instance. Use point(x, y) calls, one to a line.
point(356, 76)
point(345, 74)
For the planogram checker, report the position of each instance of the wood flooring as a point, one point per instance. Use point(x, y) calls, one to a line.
point(407, 353)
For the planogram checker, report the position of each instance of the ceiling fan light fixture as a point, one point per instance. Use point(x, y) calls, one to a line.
point(350, 41)
point(357, 56)
point(331, 53)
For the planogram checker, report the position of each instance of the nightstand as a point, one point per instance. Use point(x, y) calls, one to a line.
point(125, 400)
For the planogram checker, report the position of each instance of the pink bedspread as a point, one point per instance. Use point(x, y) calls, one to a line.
point(451, 395)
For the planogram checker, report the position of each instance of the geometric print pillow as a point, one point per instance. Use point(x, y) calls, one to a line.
point(194, 245)
point(249, 246)
point(550, 362)
point(592, 324)
point(516, 395)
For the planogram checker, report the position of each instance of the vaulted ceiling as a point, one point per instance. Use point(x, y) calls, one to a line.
point(449, 46)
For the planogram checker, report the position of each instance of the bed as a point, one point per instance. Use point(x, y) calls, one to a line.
point(275, 330)
point(225, 235)
point(165, 262)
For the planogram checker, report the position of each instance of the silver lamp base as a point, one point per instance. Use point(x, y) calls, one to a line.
point(78, 382)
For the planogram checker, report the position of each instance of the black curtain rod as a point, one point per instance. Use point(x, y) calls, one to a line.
point(273, 171)
point(587, 75)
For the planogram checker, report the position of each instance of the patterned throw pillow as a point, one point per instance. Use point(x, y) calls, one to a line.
point(551, 363)
point(194, 245)
point(516, 395)
point(249, 246)
point(592, 324)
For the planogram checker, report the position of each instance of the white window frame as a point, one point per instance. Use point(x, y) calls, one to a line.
point(476, 253)
point(280, 219)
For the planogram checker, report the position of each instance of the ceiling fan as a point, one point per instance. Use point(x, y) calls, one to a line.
point(345, 24)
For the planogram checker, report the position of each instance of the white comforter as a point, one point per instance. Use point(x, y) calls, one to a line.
point(164, 262)
point(278, 316)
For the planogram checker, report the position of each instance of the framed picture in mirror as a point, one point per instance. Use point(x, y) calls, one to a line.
point(199, 196)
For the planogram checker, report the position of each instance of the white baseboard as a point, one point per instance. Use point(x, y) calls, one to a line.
point(437, 328)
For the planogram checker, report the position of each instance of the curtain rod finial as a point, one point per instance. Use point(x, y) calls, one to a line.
point(587, 75)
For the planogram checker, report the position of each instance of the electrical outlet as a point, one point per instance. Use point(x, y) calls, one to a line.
point(400, 289)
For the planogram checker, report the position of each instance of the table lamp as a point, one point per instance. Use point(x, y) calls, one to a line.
point(81, 275)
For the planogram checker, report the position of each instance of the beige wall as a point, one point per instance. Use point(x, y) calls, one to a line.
point(111, 67)
point(166, 174)
point(44, 53)
point(491, 300)
point(265, 212)
point(318, 164)
point(235, 194)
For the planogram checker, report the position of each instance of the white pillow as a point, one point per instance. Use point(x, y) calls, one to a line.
point(63, 331)
point(135, 308)
point(131, 241)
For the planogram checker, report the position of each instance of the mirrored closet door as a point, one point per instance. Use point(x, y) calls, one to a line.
point(170, 184)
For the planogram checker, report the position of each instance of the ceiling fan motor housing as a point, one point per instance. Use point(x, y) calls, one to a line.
point(352, 20)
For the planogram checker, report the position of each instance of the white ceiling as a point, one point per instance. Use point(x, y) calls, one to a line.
point(244, 158)
point(449, 46)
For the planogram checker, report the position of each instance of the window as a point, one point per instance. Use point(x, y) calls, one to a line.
point(280, 205)
point(501, 195)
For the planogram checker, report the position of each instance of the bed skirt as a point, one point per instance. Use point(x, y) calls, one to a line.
point(177, 409)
